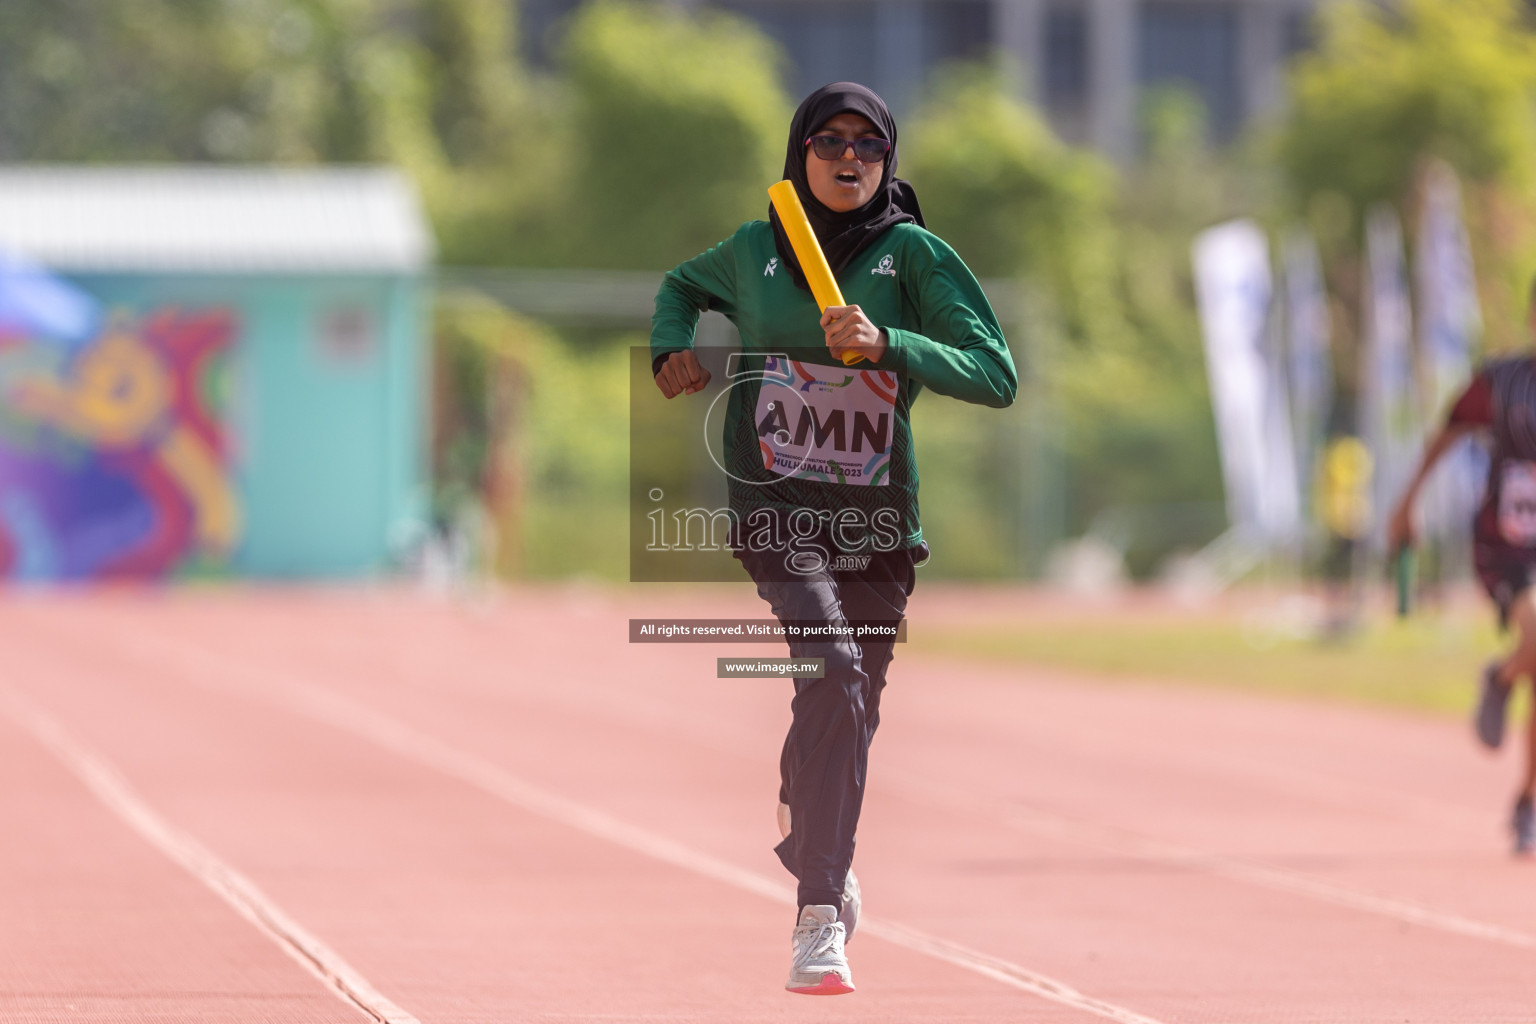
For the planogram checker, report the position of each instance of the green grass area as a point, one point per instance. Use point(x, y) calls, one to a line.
point(1426, 663)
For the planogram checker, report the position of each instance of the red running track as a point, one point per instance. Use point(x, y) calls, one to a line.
point(276, 806)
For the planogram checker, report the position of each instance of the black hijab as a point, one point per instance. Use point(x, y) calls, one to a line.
point(843, 235)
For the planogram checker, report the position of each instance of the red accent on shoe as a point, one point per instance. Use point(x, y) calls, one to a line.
point(832, 984)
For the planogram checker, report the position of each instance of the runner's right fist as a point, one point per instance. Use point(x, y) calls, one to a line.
point(681, 374)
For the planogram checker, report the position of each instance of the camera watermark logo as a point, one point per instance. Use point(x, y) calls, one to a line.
point(802, 535)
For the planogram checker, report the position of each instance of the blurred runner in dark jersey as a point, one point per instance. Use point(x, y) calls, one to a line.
point(1500, 405)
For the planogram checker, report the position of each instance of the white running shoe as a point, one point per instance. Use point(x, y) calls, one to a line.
point(852, 901)
point(819, 967)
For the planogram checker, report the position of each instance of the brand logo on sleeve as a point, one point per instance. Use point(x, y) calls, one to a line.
point(886, 267)
point(773, 265)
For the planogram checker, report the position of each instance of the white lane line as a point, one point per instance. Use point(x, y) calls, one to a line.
point(108, 785)
point(1005, 971)
point(343, 713)
point(1116, 842)
point(1119, 842)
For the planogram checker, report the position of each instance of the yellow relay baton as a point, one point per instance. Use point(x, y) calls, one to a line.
point(808, 251)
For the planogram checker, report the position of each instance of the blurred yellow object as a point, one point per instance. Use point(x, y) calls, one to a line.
point(115, 394)
point(1343, 492)
point(808, 251)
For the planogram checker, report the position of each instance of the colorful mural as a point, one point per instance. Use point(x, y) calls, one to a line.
point(114, 459)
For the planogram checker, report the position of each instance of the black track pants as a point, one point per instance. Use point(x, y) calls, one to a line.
point(822, 767)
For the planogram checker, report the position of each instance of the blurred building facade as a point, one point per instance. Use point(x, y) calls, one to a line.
point(254, 403)
point(1086, 63)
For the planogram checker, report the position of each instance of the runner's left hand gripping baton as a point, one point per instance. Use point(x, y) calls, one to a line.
point(1402, 571)
point(808, 251)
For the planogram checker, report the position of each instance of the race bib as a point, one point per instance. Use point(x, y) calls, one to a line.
point(832, 424)
point(1517, 503)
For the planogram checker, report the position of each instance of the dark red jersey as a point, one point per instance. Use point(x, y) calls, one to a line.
point(1502, 399)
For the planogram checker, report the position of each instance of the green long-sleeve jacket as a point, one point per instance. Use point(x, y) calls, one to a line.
point(803, 432)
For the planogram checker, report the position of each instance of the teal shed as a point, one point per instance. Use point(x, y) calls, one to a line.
point(256, 403)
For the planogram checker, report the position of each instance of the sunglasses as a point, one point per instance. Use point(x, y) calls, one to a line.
point(867, 150)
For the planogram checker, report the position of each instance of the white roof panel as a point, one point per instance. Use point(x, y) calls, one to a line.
point(219, 219)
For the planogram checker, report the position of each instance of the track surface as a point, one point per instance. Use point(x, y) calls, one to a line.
point(285, 806)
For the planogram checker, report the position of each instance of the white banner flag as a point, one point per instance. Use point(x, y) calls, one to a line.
point(1390, 422)
point(1233, 285)
point(1450, 321)
point(1311, 361)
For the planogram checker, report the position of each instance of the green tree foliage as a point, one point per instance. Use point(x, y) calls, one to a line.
point(95, 79)
point(529, 442)
point(1389, 88)
point(475, 87)
point(429, 85)
point(1010, 197)
point(501, 197)
point(1135, 409)
point(677, 127)
point(1447, 78)
point(1116, 413)
point(286, 80)
point(656, 137)
point(1028, 213)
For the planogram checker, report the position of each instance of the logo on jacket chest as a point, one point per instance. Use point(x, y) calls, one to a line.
point(887, 266)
